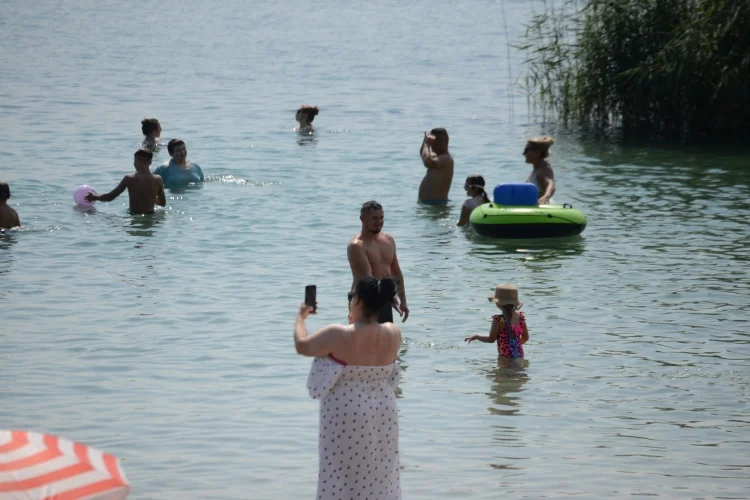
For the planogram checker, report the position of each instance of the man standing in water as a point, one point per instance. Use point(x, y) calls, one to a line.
point(439, 163)
point(179, 172)
point(373, 253)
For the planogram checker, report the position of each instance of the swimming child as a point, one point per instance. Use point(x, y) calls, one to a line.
point(8, 216)
point(305, 115)
point(151, 129)
point(474, 187)
point(536, 153)
point(508, 328)
point(144, 188)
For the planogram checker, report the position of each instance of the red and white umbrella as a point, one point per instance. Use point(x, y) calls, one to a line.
point(36, 466)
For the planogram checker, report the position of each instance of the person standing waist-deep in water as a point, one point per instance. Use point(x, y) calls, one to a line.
point(355, 376)
point(305, 116)
point(179, 172)
point(8, 216)
point(144, 188)
point(438, 161)
point(542, 176)
point(373, 253)
point(151, 129)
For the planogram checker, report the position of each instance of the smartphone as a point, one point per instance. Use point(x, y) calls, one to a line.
point(310, 296)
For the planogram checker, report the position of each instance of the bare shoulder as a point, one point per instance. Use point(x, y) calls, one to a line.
point(356, 242)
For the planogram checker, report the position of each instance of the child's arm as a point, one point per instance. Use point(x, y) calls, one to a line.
point(492, 337)
point(122, 186)
point(465, 213)
point(525, 333)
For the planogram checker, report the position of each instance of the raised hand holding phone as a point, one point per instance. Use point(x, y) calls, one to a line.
point(311, 297)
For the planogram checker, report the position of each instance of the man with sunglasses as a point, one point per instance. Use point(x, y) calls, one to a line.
point(439, 164)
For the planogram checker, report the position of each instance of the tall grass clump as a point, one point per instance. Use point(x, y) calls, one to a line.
point(676, 68)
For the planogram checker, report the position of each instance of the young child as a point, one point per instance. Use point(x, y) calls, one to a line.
point(474, 187)
point(536, 153)
point(8, 217)
point(508, 328)
point(144, 188)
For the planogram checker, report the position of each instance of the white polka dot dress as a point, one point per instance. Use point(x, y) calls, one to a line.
point(358, 435)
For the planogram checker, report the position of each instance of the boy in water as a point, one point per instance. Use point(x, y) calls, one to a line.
point(144, 188)
point(8, 216)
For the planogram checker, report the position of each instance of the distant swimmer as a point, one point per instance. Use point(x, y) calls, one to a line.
point(474, 187)
point(439, 163)
point(8, 216)
point(144, 188)
point(151, 129)
point(536, 152)
point(305, 115)
point(179, 172)
point(373, 253)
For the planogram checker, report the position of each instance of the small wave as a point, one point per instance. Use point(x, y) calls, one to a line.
point(230, 179)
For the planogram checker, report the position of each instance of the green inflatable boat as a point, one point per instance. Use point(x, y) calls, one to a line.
point(545, 221)
point(514, 213)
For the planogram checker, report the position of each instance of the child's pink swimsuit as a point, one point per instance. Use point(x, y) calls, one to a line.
point(509, 339)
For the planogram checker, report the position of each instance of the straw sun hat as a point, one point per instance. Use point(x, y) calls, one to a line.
point(542, 142)
point(506, 294)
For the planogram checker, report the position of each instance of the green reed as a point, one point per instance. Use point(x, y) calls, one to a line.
point(667, 67)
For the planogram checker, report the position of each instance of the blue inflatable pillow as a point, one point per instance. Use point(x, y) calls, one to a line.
point(516, 195)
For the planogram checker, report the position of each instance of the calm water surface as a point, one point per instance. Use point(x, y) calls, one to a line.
point(167, 339)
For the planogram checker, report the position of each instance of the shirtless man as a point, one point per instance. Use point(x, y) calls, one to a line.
point(8, 216)
point(373, 253)
point(542, 176)
point(144, 188)
point(439, 163)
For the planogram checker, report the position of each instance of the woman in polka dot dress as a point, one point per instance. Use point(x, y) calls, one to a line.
point(355, 376)
point(508, 328)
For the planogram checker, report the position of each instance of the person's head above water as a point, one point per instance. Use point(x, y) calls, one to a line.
point(306, 114)
point(372, 216)
point(142, 160)
point(4, 191)
point(151, 127)
point(372, 294)
point(474, 186)
point(177, 150)
point(537, 148)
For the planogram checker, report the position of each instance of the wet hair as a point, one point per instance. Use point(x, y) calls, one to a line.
point(4, 191)
point(173, 144)
point(370, 205)
point(145, 153)
point(477, 182)
point(375, 293)
point(440, 132)
point(148, 125)
point(310, 111)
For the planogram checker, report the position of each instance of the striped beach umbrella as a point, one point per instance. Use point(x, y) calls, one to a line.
point(44, 467)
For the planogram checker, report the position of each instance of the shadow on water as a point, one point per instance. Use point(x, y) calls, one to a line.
point(539, 249)
point(7, 240)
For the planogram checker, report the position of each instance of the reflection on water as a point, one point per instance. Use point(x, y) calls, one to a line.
point(507, 380)
point(435, 212)
point(540, 249)
point(144, 224)
point(307, 139)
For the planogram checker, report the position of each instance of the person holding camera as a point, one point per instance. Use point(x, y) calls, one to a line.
point(355, 375)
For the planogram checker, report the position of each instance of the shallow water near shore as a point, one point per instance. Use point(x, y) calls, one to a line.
point(167, 339)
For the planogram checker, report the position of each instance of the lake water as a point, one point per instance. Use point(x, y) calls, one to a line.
point(167, 340)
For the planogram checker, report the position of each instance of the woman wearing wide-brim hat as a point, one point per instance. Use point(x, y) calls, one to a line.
point(508, 328)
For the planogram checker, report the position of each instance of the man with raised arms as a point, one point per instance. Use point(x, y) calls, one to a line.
point(373, 253)
point(439, 164)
